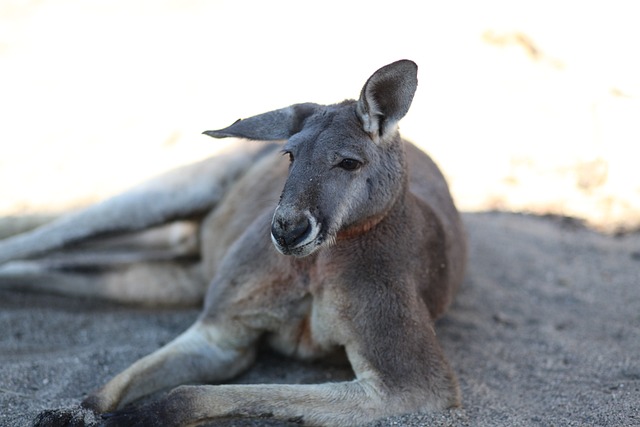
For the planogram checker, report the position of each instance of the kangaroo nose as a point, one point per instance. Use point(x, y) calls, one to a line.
point(289, 233)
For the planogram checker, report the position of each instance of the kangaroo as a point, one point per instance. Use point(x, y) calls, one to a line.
point(334, 237)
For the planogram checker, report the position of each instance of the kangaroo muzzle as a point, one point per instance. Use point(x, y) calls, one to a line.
point(294, 232)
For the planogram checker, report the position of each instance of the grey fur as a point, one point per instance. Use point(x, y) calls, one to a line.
point(352, 249)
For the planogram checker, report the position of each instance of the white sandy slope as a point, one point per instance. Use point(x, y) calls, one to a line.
point(528, 106)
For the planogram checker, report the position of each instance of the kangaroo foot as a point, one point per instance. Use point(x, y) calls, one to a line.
point(67, 417)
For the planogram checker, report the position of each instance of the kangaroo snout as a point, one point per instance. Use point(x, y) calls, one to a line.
point(290, 233)
point(293, 233)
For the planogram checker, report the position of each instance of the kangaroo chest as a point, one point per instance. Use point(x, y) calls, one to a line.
point(316, 328)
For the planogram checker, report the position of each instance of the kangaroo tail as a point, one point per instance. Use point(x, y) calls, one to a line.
point(181, 193)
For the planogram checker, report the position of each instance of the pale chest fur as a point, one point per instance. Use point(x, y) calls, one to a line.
point(318, 329)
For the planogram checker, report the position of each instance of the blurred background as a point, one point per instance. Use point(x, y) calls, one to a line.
point(530, 106)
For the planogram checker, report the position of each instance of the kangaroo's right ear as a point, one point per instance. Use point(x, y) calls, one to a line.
point(271, 126)
point(386, 98)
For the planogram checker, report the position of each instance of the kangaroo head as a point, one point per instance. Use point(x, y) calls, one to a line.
point(346, 160)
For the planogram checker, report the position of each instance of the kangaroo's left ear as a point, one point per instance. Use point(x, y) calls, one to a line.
point(386, 98)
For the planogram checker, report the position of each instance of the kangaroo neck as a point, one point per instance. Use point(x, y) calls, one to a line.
point(368, 224)
point(359, 228)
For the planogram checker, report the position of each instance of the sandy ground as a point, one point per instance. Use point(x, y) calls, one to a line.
point(546, 331)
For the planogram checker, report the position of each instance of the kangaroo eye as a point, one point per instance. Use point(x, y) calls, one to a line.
point(350, 164)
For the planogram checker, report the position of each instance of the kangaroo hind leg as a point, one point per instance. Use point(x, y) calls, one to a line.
point(156, 267)
point(182, 193)
point(177, 283)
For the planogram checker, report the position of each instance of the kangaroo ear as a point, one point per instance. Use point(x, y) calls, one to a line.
point(386, 98)
point(274, 125)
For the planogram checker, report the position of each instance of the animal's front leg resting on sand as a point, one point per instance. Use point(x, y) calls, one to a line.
point(348, 244)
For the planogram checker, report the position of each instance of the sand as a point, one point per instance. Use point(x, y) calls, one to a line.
point(545, 331)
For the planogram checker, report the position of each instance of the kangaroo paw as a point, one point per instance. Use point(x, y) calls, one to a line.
point(137, 416)
point(66, 417)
